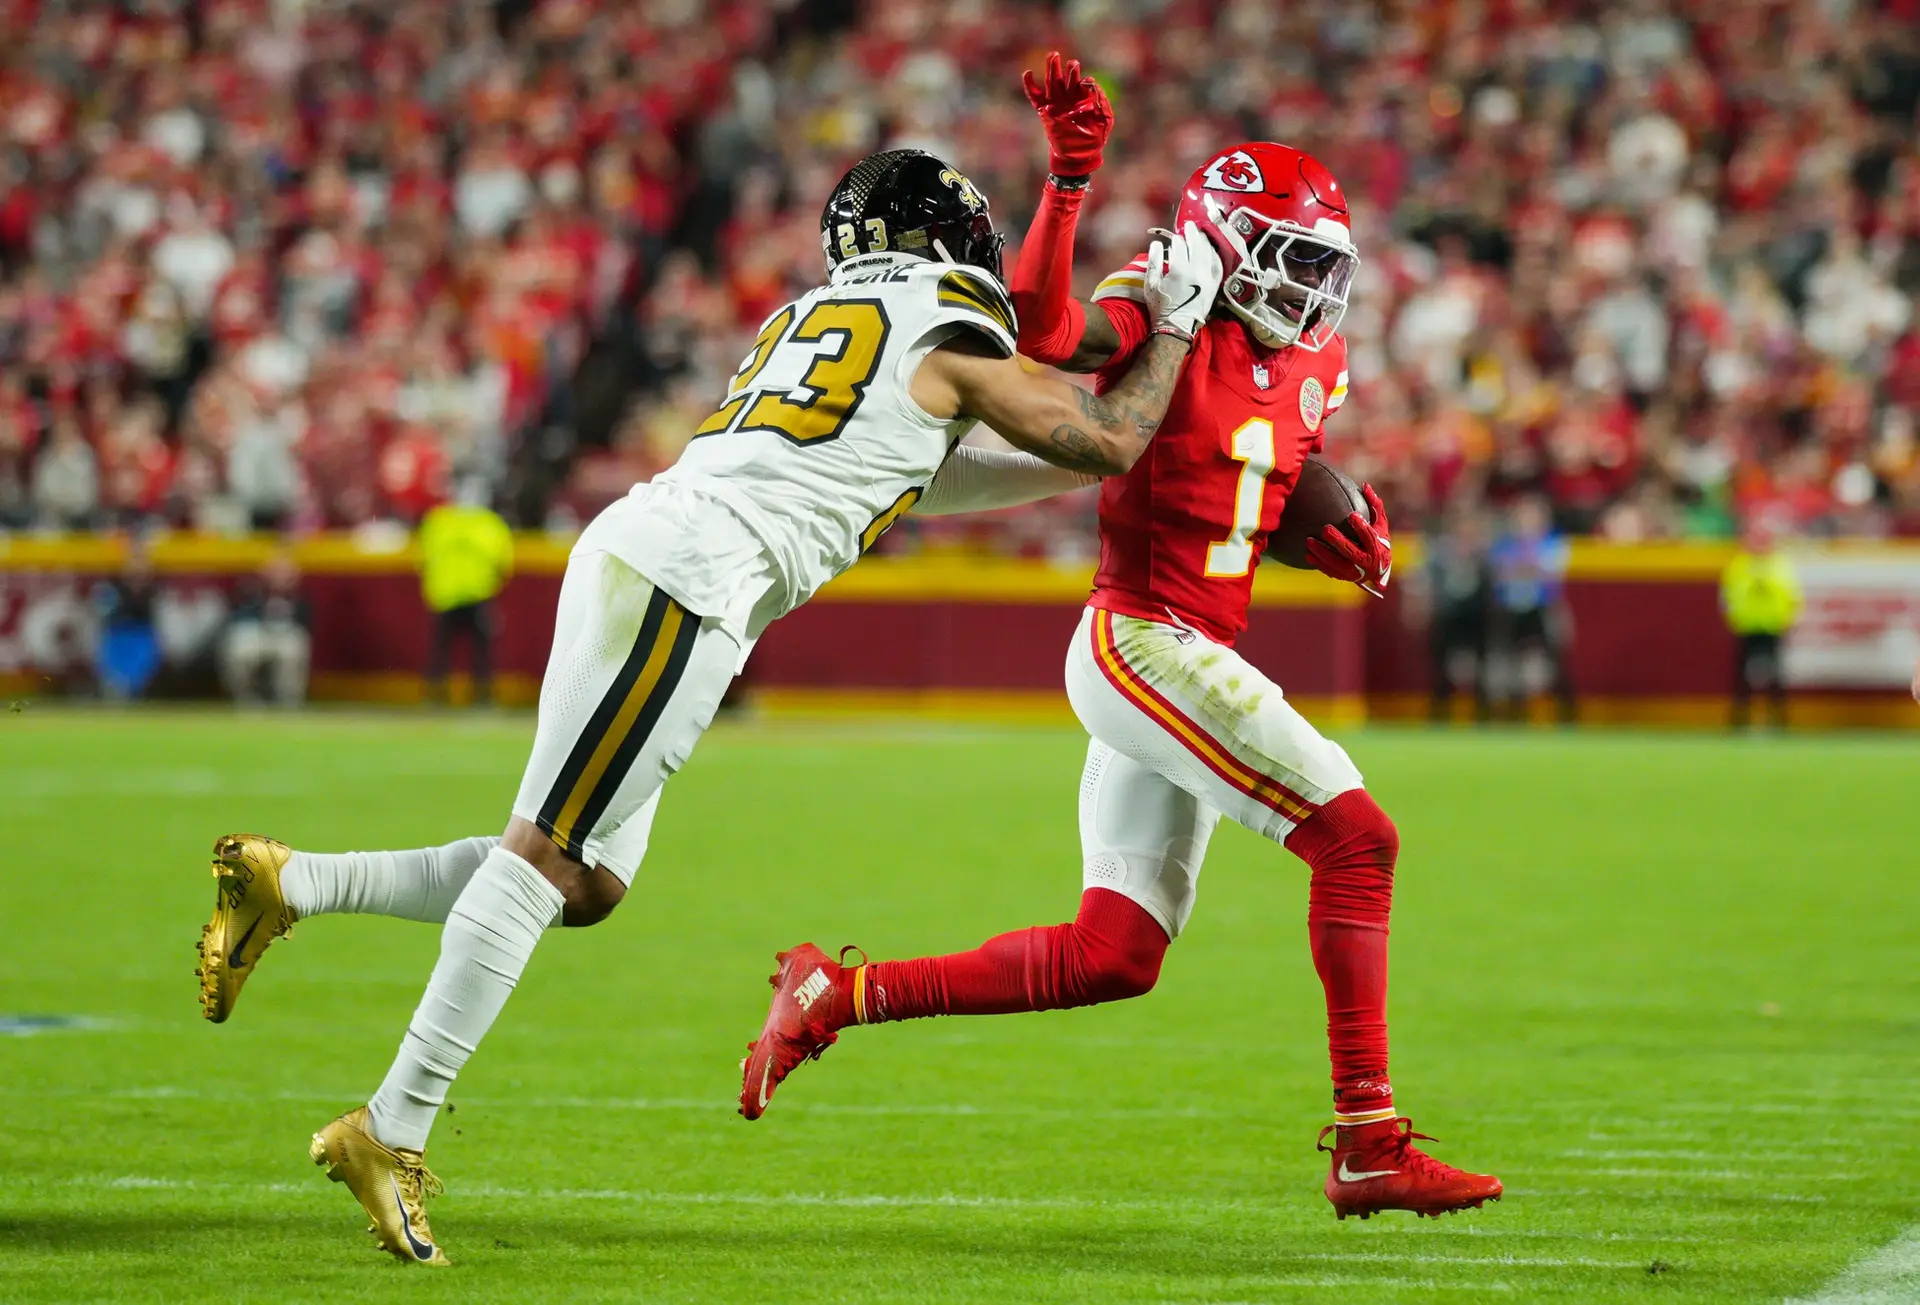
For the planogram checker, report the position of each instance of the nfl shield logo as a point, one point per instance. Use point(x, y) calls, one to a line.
point(1313, 402)
point(1261, 376)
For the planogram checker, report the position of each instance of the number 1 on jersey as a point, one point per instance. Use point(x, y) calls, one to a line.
point(1253, 447)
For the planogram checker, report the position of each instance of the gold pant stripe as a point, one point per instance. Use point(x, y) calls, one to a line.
point(643, 687)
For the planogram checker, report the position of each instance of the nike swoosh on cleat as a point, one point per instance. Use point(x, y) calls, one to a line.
point(421, 1250)
point(233, 957)
point(766, 1075)
point(1347, 1175)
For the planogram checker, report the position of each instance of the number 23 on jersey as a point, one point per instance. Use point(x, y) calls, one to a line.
point(847, 336)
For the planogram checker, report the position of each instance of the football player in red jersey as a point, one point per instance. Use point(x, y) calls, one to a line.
point(1183, 729)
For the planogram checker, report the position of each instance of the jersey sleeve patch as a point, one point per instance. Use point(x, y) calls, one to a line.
point(1130, 282)
point(1339, 395)
point(979, 302)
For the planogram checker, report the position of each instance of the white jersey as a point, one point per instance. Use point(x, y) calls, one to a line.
point(818, 447)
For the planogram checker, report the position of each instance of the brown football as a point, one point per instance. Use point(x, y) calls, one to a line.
point(1323, 496)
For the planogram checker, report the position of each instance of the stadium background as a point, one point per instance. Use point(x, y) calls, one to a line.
point(299, 271)
point(276, 277)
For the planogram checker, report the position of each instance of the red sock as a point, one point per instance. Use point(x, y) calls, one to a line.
point(1351, 847)
point(1111, 950)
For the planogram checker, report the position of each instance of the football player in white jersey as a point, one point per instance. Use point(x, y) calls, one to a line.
point(847, 413)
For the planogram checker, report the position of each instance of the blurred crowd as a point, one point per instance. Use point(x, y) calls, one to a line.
point(294, 263)
point(271, 264)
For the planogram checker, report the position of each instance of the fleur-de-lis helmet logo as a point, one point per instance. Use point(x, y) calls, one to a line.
point(969, 193)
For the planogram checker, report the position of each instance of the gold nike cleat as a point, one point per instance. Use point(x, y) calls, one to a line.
point(248, 914)
point(394, 1186)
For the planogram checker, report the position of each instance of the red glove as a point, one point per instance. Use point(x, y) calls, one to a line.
point(1075, 113)
point(1360, 551)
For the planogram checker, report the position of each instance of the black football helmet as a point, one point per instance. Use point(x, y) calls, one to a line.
point(911, 202)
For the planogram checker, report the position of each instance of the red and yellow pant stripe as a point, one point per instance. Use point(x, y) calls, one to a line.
point(1193, 737)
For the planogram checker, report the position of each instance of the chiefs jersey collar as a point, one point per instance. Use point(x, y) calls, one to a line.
point(1239, 358)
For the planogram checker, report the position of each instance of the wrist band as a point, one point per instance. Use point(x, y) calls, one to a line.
point(1069, 185)
point(1178, 333)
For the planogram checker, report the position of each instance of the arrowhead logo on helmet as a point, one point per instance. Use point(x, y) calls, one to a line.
point(1235, 170)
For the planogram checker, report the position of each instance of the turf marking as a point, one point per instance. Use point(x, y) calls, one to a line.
point(1347, 1284)
point(1888, 1276)
point(58, 782)
point(836, 1200)
point(932, 1109)
point(947, 1201)
point(1504, 1261)
point(1582, 1153)
point(1628, 1194)
point(1732, 1175)
point(647, 1196)
point(27, 1026)
point(168, 1091)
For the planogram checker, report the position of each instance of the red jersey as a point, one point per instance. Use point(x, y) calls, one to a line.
point(1181, 533)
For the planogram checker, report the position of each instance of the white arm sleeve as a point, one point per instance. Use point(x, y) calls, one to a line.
point(979, 480)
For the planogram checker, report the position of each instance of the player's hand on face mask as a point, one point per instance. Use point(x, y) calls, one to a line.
point(1183, 279)
point(1361, 551)
point(1075, 113)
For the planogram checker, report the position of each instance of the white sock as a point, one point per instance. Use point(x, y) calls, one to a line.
point(418, 884)
point(490, 934)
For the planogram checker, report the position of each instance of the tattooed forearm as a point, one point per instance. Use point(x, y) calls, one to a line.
point(1104, 409)
point(1076, 450)
point(1118, 417)
point(1091, 433)
point(1137, 404)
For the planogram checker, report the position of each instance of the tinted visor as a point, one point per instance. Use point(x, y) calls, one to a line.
point(1314, 265)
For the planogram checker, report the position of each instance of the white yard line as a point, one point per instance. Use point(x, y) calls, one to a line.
point(696, 1105)
point(1501, 1261)
point(1372, 1283)
point(942, 1200)
point(1889, 1276)
point(1822, 1154)
point(936, 1200)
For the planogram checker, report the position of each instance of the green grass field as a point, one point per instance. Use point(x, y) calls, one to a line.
point(1665, 986)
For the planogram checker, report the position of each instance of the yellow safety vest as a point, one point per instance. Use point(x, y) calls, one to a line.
point(466, 555)
point(1760, 594)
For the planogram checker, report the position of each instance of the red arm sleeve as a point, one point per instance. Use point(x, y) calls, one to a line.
point(1051, 319)
point(1132, 325)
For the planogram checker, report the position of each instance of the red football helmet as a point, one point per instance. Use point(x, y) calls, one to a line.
point(1279, 220)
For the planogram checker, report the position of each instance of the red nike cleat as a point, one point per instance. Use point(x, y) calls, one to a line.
point(1377, 1167)
point(809, 1009)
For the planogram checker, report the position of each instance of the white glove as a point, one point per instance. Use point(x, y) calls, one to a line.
point(1183, 279)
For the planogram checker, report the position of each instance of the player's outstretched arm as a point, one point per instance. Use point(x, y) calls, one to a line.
point(1099, 433)
point(983, 480)
point(1103, 434)
point(1056, 328)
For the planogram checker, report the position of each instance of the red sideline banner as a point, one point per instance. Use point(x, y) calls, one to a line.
point(944, 632)
point(1000, 628)
point(890, 631)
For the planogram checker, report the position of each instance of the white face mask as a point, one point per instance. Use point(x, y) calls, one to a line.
point(1313, 270)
